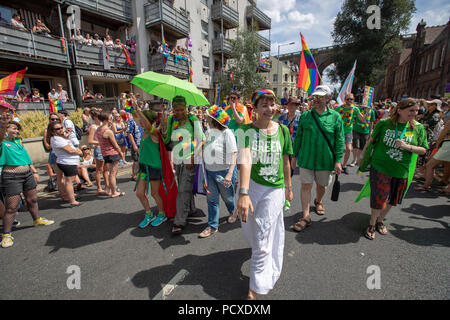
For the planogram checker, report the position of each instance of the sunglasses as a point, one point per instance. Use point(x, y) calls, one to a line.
point(56, 129)
point(349, 99)
point(54, 119)
point(85, 149)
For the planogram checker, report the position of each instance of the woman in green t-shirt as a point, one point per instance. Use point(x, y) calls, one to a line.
point(18, 176)
point(265, 184)
point(150, 168)
point(394, 140)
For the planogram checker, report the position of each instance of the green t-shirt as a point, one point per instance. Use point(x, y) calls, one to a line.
point(267, 154)
point(13, 153)
point(369, 116)
point(389, 159)
point(149, 153)
point(232, 124)
point(347, 115)
point(185, 136)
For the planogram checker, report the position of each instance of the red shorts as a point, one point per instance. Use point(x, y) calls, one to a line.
point(385, 189)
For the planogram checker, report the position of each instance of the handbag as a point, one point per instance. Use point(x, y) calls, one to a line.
point(337, 185)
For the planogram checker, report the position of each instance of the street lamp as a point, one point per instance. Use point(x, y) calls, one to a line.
point(278, 57)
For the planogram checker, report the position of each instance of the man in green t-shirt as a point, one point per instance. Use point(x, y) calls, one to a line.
point(361, 132)
point(315, 158)
point(185, 131)
point(348, 113)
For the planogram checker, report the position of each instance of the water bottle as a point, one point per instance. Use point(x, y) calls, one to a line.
point(287, 206)
point(220, 179)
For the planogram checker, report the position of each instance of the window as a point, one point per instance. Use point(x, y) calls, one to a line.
point(205, 30)
point(205, 64)
point(275, 78)
point(286, 77)
point(292, 78)
point(204, 2)
point(275, 91)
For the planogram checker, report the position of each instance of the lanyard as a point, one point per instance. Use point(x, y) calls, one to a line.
point(403, 132)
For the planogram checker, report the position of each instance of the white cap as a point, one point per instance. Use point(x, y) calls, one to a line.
point(322, 91)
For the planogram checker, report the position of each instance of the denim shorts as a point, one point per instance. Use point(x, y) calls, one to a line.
point(16, 183)
point(348, 137)
point(98, 154)
point(113, 158)
point(51, 158)
point(153, 174)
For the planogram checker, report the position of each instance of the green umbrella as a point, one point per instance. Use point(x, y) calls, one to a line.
point(168, 87)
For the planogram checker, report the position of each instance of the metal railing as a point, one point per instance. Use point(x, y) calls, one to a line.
point(93, 56)
point(42, 106)
point(106, 104)
point(170, 64)
point(229, 15)
point(264, 22)
point(163, 12)
point(116, 9)
point(222, 45)
point(27, 45)
point(263, 42)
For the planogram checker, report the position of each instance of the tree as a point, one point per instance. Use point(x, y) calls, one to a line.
point(372, 48)
point(242, 73)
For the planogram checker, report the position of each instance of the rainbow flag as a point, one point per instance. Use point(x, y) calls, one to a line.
point(55, 105)
point(10, 84)
point(127, 55)
point(368, 96)
point(191, 72)
point(308, 75)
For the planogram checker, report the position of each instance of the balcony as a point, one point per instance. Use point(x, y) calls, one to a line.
point(163, 13)
point(91, 56)
point(119, 10)
point(222, 46)
point(264, 43)
point(223, 12)
point(30, 47)
point(255, 14)
point(170, 64)
point(42, 106)
point(217, 76)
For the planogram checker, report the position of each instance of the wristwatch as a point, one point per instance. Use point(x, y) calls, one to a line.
point(243, 191)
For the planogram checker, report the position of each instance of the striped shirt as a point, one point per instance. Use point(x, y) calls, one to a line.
point(311, 148)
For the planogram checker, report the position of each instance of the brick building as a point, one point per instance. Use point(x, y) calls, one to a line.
point(422, 68)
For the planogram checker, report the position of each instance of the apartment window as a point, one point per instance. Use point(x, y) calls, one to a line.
point(205, 30)
point(286, 77)
point(275, 78)
point(292, 78)
point(205, 64)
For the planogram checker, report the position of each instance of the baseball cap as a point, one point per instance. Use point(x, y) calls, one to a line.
point(322, 91)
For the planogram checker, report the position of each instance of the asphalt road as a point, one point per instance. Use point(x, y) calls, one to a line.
point(329, 260)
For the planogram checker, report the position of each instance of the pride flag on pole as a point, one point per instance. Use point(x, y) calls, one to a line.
point(55, 105)
point(10, 84)
point(308, 75)
point(347, 87)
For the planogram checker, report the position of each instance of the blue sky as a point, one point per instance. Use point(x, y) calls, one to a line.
point(315, 18)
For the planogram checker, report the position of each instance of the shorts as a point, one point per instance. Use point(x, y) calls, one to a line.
point(51, 158)
point(98, 154)
point(111, 159)
point(153, 174)
point(385, 188)
point(322, 178)
point(69, 170)
point(135, 155)
point(359, 140)
point(16, 183)
point(348, 137)
point(443, 153)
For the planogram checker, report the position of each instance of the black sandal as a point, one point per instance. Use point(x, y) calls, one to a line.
point(370, 229)
point(380, 226)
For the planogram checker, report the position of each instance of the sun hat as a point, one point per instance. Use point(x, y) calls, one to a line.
point(437, 102)
point(218, 114)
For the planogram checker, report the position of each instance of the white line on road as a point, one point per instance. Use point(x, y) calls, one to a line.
point(171, 285)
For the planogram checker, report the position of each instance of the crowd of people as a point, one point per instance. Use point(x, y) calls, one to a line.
point(244, 153)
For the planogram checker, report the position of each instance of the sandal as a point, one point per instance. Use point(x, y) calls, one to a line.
point(301, 224)
point(319, 208)
point(370, 230)
point(422, 188)
point(232, 218)
point(177, 229)
point(381, 228)
point(444, 192)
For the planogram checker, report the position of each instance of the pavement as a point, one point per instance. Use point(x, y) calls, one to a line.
point(97, 251)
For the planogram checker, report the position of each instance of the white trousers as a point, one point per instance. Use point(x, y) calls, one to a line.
point(264, 231)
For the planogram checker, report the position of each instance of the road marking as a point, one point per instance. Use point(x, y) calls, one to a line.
point(171, 285)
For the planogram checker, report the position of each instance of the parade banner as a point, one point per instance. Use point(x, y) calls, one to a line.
point(368, 96)
point(347, 87)
point(308, 75)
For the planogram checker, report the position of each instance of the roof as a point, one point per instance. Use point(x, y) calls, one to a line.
point(431, 33)
point(405, 54)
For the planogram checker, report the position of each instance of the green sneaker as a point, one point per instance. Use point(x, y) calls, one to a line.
point(147, 219)
point(7, 240)
point(159, 219)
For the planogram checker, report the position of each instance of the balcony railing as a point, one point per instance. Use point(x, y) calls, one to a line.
point(264, 22)
point(170, 64)
point(264, 43)
point(28, 46)
point(39, 106)
point(116, 9)
point(222, 45)
point(105, 104)
point(92, 56)
point(173, 20)
point(223, 12)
